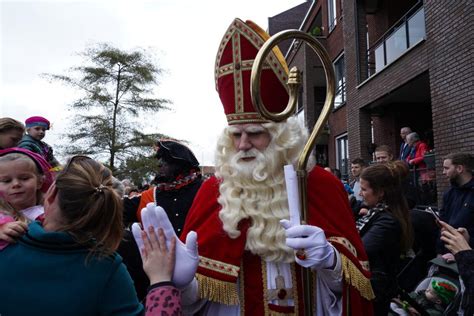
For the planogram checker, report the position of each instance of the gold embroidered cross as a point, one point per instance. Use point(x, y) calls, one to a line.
point(281, 293)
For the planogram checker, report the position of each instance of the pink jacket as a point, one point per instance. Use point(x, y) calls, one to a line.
point(163, 299)
point(3, 220)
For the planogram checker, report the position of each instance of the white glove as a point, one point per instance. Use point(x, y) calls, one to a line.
point(319, 252)
point(187, 258)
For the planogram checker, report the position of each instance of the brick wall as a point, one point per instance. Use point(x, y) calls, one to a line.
point(338, 126)
point(445, 59)
point(450, 33)
point(386, 132)
point(406, 68)
point(358, 122)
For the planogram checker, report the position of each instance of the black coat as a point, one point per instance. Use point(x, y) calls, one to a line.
point(458, 210)
point(381, 237)
point(176, 204)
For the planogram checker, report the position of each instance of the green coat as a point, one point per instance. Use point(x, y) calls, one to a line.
point(46, 273)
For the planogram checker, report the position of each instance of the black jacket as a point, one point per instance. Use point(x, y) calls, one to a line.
point(458, 210)
point(381, 238)
point(176, 204)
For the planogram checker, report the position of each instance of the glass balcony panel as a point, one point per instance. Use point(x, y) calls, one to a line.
point(416, 27)
point(396, 44)
point(392, 46)
point(379, 59)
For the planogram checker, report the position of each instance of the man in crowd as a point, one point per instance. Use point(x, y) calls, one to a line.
point(458, 200)
point(357, 165)
point(247, 246)
point(355, 199)
point(404, 147)
point(383, 153)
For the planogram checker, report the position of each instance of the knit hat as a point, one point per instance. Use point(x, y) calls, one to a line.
point(237, 51)
point(37, 121)
point(444, 289)
point(43, 166)
point(172, 150)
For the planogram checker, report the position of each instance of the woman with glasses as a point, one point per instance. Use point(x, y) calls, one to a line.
point(67, 265)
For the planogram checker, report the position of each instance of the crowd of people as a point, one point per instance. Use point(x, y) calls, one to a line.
point(74, 240)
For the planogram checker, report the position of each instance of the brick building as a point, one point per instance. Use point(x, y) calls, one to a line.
point(397, 63)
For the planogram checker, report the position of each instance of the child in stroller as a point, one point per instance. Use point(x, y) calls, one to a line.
point(434, 295)
point(433, 300)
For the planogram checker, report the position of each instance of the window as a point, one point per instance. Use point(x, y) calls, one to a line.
point(342, 156)
point(340, 72)
point(332, 19)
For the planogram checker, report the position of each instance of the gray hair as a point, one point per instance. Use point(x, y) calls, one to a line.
point(413, 136)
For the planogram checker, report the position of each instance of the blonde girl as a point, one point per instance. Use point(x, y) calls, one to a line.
point(24, 177)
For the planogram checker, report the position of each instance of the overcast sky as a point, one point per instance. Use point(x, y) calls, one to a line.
point(45, 36)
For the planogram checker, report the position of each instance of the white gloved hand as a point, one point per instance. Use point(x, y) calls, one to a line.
point(187, 257)
point(319, 252)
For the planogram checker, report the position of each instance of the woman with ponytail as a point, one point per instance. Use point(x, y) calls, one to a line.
point(385, 230)
point(67, 265)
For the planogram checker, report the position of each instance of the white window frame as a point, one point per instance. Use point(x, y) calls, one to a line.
point(342, 92)
point(332, 14)
point(339, 158)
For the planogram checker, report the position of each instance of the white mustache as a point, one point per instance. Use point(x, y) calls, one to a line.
point(252, 153)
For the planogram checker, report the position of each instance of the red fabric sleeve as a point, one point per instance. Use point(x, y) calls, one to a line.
point(419, 154)
point(203, 218)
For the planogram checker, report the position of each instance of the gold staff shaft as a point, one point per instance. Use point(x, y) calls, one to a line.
point(293, 85)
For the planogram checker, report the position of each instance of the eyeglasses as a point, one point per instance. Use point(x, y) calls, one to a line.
point(73, 159)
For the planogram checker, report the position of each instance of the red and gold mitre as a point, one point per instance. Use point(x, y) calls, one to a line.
point(234, 61)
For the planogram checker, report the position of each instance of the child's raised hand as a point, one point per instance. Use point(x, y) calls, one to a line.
point(12, 230)
point(158, 260)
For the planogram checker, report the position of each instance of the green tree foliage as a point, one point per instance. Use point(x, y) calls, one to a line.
point(139, 170)
point(116, 86)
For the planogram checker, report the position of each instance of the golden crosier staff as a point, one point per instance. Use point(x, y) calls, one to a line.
point(293, 85)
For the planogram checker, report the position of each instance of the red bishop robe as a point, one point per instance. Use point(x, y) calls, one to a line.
point(222, 258)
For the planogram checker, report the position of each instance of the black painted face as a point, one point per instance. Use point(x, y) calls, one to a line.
point(167, 171)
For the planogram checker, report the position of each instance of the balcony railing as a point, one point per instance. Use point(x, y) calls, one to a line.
point(403, 35)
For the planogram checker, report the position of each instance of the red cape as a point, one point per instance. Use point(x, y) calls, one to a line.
point(328, 208)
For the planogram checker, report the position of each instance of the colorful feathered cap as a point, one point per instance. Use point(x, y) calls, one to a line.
point(233, 67)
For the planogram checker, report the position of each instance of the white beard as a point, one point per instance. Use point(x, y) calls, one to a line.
point(256, 190)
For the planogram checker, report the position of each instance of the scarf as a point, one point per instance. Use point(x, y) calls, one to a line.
point(362, 221)
point(179, 182)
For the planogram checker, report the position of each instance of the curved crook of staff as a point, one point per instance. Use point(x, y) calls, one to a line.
point(293, 85)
